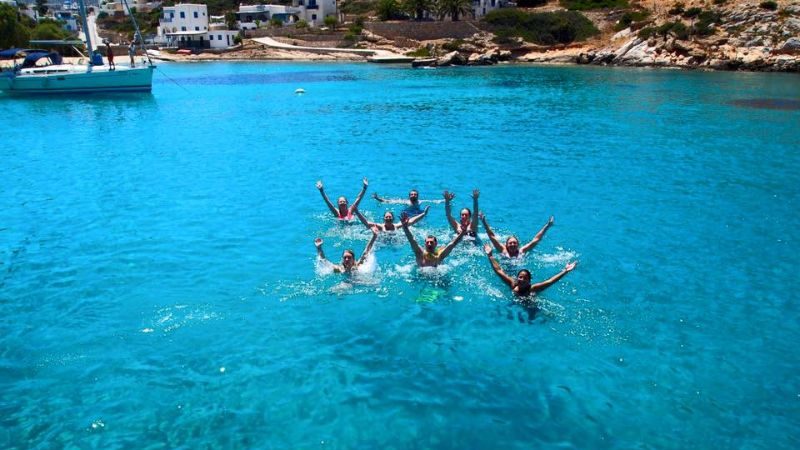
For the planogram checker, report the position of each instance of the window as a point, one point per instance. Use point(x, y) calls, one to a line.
point(196, 28)
point(313, 17)
point(210, 37)
point(183, 15)
point(219, 36)
point(183, 28)
point(195, 14)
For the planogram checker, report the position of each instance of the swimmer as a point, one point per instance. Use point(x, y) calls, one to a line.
point(412, 204)
point(430, 256)
point(467, 220)
point(349, 262)
point(344, 212)
point(388, 220)
point(511, 248)
point(521, 286)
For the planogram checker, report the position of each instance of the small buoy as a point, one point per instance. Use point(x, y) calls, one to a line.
point(299, 91)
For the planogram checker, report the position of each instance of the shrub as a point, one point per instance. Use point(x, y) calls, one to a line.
point(586, 5)
point(692, 12)
point(330, 22)
point(629, 18)
point(237, 39)
point(704, 20)
point(102, 15)
point(542, 28)
point(422, 52)
point(769, 5)
point(355, 29)
point(647, 32)
point(676, 10)
point(300, 24)
point(275, 22)
point(359, 21)
point(677, 28)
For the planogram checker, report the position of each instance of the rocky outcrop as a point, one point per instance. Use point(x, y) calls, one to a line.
point(747, 37)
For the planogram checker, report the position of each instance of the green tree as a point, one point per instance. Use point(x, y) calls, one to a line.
point(48, 30)
point(388, 10)
point(417, 8)
point(13, 33)
point(453, 8)
point(41, 7)
point(230, 20)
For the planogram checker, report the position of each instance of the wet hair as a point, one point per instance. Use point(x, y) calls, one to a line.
point(467, 210)
point(430, 236)
point(388, 212)
point(352, 253)
point(510, 238)
point(414, 191)
point(524, 271)
point(340, 198)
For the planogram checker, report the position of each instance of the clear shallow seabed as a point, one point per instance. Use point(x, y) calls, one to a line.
point(158, 286)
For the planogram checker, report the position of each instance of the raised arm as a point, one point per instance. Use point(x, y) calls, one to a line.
point(448, 210)
point(320, 253)
point(419, 216)
point(497, 245)
point(496, 267)
point(389, 200)
point(360, 194)
point(475, 194)
point(538, 287)
point(414, 246)
point(538, 237)
point(363, 219)
point(449, 247)
point(368, 248)
point(327, 200)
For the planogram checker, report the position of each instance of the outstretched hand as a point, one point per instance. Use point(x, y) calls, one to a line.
point(481, 215)
point(449, 196)
point(427, 208)
point(552, 219)
point(375, 196)
point(319, 185)
point(366, 183)
point(404, 219)
point(475, 193)
point(487, 249)
point(374, 230)
point(570, 266)
point(318, 242)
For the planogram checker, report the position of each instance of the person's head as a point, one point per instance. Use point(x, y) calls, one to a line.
point(430, 243)
point(523, 279)
point(342, 202)
point(388, 217)
point(413, 196)
point(466, 215)
point(348, 259)
point(512, 245)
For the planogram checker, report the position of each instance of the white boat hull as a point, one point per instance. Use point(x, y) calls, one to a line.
point(75, 79)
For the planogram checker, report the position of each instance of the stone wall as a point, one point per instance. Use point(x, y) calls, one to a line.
point(423, 31)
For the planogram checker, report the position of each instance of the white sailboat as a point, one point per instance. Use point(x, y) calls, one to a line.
point(31, 77)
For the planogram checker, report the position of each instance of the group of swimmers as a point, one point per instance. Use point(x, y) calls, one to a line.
point(431, 255)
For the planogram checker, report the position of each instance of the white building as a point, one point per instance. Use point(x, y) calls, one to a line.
point(312, 12)
point(69, 19)
point(185, 25)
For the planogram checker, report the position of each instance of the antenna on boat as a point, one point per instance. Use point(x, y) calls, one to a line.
point(138, 33)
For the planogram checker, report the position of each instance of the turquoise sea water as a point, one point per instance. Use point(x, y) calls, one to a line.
point(158, 285)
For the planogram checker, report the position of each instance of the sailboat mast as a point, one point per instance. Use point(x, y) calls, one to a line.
point(85, 23)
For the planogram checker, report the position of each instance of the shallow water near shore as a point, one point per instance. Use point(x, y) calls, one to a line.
point(159, 289)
